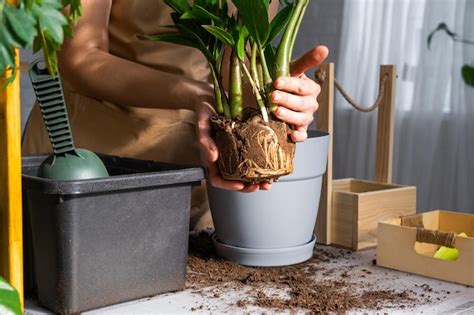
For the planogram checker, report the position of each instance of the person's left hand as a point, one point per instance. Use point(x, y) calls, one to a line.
point(297, 95)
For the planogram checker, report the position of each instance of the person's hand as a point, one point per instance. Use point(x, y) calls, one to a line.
point(297, 95)
point(209, 154)
point(297, 106)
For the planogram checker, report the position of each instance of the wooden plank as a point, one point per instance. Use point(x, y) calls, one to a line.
point(361, 186)
point(344, 219)
point(324, 122)
point(11, 238)
point(382, 205)
point(385, 126)
point(342, 184)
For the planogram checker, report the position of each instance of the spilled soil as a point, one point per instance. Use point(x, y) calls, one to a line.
point(317, 286)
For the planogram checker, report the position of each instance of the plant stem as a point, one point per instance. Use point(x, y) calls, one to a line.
point(267, 78)
point(236, 86)
point(253, 66)
point(284, 51)
point(285, 48)
point(256, 92)
point(295, 32)
point(268, 82)
point(260, 73)
point(222, 107)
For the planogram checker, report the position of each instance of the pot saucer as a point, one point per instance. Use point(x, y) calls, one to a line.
point(258, 257)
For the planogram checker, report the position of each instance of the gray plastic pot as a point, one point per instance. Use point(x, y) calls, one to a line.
point(271, 228)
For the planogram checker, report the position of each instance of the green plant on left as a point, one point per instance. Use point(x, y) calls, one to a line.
point(36, 24)
point(9, 299)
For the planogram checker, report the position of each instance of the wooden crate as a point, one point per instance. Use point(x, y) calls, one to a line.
point(358, 206)
point(350, 209)
point(399, 247)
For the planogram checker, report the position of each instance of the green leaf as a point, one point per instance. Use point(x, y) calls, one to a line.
point(179, 6)
point(50, 19)
point(468, 74)
point(9, 299)
point(17, 30)
point(267, 3)
point(28, 4)
point(20, 25)
point(7, 58)
point(220, 34)
point(50, 47)
point(254, 14)
point(75, 9)
point(37, 23)
point(199, 42)
point(198, 12)
point(279, 22)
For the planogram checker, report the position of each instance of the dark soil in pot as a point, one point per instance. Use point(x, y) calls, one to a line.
point(251, 150)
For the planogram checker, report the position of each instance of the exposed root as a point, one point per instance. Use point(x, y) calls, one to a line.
point(253, 151)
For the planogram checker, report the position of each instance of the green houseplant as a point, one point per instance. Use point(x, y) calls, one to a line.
point(264, 228)
point(37, 24)
point(253, 145)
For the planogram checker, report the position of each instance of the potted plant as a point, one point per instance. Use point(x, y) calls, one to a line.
point(254, 145)
point(37, 24)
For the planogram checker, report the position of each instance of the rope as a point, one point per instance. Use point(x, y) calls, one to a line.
point(320, 77)
point(447, 239)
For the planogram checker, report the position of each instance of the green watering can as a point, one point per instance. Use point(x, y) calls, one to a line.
point(67, 162)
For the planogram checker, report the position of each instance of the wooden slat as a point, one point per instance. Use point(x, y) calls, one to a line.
point(385, 127)
point(344, 219)
point(324, 122)
point(11, 240)
point(380, 205)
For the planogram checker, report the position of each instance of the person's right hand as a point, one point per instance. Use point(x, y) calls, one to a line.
point(210, 154)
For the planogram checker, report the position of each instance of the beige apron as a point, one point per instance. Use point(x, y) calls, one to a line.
point(142, 133)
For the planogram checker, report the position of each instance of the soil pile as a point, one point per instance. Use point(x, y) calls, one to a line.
point(339, 291)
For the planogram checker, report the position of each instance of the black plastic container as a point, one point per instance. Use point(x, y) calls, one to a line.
point(103, 241)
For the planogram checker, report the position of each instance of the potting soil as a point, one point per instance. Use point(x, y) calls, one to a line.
point(315, 286)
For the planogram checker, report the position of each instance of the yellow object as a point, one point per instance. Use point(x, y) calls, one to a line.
point(11, 242)
point(447, 253)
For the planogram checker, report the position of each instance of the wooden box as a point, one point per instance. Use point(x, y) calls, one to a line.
point(402, 245)
point(358, 206)
point(350, 209)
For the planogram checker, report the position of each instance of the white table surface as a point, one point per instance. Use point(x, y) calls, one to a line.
point(459, 300)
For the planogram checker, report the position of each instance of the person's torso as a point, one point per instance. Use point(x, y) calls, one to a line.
point(129, 19)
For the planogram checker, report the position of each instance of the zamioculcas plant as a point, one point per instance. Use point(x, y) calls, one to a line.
point(253, 145)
